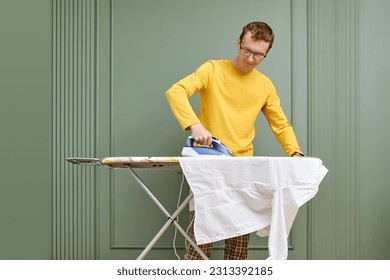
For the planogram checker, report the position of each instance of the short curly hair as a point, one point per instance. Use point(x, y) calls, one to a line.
point(260, 31)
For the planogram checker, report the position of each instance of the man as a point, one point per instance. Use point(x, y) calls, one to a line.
point(232, 94)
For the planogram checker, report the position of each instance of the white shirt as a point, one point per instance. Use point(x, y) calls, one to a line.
point(240, 195)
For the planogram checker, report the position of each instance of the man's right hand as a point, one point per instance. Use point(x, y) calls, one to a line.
point(201, 135)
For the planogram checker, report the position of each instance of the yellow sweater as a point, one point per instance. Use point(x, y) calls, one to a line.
point(230, 102)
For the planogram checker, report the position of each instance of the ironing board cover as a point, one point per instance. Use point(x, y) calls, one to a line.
point(125, 162)
point(142, 162)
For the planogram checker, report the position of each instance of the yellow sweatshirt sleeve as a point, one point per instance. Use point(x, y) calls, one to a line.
point(178, 95)
point(279, 124)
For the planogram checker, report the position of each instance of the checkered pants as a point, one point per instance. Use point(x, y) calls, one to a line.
point(236, 248)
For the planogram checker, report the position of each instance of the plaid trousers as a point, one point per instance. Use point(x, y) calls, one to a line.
point(236, 248)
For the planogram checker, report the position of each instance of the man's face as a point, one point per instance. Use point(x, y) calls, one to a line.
point(251, 53)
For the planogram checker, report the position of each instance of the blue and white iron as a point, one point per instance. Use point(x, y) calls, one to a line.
point(191, 149)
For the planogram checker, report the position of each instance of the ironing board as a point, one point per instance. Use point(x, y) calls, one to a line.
point(161, 163)
point(279, 186)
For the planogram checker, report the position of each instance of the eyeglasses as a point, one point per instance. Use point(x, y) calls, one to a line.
point(248, 53)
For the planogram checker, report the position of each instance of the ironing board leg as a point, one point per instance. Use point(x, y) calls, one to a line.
point(171, 219)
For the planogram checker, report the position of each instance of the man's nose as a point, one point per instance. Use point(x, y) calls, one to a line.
point(251, 57)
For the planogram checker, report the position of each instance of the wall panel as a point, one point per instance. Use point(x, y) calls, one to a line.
point(74, 128)
point(143, 62)
point(374, 133)
point(333, 126)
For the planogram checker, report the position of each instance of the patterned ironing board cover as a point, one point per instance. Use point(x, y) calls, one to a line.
point(125, 162)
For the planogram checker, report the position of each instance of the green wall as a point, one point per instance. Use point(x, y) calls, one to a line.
point(61, 64)
point(373, 136)
point(26, 130)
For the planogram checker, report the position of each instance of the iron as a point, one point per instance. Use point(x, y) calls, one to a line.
point(191, 149)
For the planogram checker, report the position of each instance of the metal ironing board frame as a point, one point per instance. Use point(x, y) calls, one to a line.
point(132, 163)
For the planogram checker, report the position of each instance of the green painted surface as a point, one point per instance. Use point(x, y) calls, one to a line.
point(25, 117)
point(374, 133)
point(336, 97)
point(74, 128)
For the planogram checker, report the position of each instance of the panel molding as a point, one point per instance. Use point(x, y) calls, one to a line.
point(299, 105)
point(300, 101)
point(333, 122)
point(74, 128)
point(114, 244)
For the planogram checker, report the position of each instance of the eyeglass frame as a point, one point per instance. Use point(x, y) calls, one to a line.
point(252, 53)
